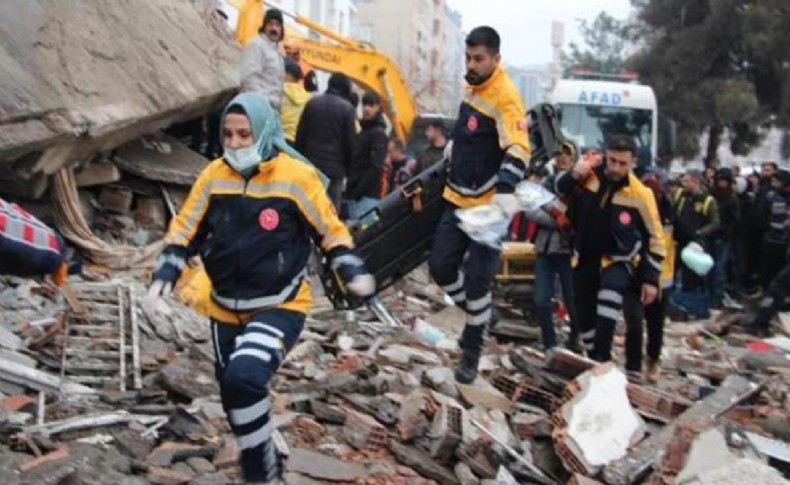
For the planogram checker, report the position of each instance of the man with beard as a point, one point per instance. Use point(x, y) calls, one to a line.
point(619, 241)
point(262, 66)
point(487, 160)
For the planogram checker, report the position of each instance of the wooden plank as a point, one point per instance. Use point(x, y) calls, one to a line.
point(136, 366)
point(121, 339)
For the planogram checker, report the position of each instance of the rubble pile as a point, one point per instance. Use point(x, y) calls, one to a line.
point(95, 388)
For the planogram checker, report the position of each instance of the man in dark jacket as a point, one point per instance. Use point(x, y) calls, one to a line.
point(618, 238)
point(326, 133)
point(722, 239)
point(776, 222)
point(364, 178)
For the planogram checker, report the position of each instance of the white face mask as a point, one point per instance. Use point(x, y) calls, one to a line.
point(243, 159)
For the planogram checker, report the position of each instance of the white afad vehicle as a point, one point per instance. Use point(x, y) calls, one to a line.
point(591, 111)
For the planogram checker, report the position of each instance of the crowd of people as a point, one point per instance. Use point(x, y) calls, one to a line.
point(362, 160)
point(292, 160)
point(741, 220)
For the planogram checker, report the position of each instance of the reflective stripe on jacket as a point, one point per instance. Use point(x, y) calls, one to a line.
point(490, 142)
point(616, 222)
point(254, 235)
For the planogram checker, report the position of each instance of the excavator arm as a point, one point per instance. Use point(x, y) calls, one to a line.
point(365, 66)
point(372, 70)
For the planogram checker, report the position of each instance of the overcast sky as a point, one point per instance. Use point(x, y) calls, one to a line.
point(525, 25)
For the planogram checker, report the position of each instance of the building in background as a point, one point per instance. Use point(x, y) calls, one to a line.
point(422, 37)
point(454, 51)
point(533, 82)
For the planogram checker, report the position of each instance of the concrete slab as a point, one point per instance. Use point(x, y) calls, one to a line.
point(161, 159)
point(322, 467)
point(708, 452)
point(81, 75)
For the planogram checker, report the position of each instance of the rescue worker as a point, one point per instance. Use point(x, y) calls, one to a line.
point(696, 218)
point(554, 248)
point(487, 160)
point(619, 241)
point(262, 66)
point(327, 131)
point(365, 174)
point(634, 312)
point(295, 98)
point(250, 216)
point(437, 142)
point(399, 167)
point(776, 224)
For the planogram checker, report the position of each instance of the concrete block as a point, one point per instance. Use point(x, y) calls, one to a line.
point(97, 174)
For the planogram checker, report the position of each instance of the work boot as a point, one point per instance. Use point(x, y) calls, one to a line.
point(466, 372)
point(574, 344)
point(653, 370)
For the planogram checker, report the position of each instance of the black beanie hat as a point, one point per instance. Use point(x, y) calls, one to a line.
point(340, 84)
point(273, 14)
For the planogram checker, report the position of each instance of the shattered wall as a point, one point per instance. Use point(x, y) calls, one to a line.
point(79, 77)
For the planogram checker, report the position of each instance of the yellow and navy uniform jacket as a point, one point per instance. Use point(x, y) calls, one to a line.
point(253, 236)
point(490, 143)
point(616, 222)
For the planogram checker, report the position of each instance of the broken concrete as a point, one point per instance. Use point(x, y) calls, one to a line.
point(643, 456)
point(66, 99)
point(322, 467)
point(598, 422)
point(160, 158)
